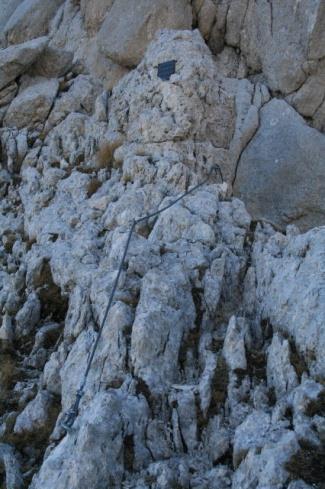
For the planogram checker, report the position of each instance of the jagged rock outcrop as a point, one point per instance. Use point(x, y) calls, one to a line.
point(209, 372)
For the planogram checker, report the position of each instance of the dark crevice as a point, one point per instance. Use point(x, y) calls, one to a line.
point(219, 387)
point(308, 464)
point(128, 449)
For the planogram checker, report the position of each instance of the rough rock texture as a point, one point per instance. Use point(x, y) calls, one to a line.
point(15, 60)
point(129, 27)
point(30, 20)
point(209, 373)
point(32, 105)
point(281, 173)
point(7, 9)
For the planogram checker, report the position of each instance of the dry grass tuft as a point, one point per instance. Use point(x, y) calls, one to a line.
point(105, 154)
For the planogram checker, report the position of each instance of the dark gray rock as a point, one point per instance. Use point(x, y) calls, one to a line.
point(281, 174)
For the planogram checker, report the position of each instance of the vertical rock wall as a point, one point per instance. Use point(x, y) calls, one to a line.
point(210, 370)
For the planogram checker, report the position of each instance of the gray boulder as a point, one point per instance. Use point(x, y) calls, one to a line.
point(129, 27)
point(112, 433)
point(31, 107)
point(38, 417)
point(30, 19)
point(16, 60)
point(52, 63)
point(281, 173)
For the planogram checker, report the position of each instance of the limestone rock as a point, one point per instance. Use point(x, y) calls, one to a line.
point(208, 371)
point(114, 416)
point(260, 28)
point(36, 420)
point(154, 355)
point(8, 93)
point(292, 302)
point(11, 466)
point(234, 345)
point(30, 20)
point(251, 433)
point(99, 65)
point(14, 148)
point(218, 439)
point(52, 63)
point(280, 173)
point(94, 12)
point(32, 105)
point(280, 373)
point(128, 29)
point(15, 60)
point(205, 12)
point(7, 9)
point(80, 97)
point(219, 115)
point(28, 316)
point(267, 469)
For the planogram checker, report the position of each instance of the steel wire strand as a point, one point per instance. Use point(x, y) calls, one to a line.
point(70, 416)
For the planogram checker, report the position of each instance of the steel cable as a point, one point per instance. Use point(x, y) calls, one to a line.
point(70, 416)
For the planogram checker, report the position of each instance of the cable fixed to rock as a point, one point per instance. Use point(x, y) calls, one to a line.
point(71, 415)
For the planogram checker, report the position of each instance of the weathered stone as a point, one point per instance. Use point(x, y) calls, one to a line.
point(94, 12)
point(96, 63)
point(263, 27)
point(15, 60)
point(11, 466)
point(113, 431)
point(7, 9)
point(8, 93)
point(79, 98)
point(205, 12)
point(280, 173)
point(267, 468)
point(127, 30)
point(38, 417)
point(7, 332)
point(280, 373)
point(288, 297)
point(30, 20)
point(213, 345)
point(28, 316)
point(154, 356)
point(32, 105)
point(14, 148)
point(218, 439)
point(52, 63)
point(234, 345)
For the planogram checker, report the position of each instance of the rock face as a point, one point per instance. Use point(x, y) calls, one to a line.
point(209, 371)
point(17, 59)
point(7, 9)
point(128, 28)
point(30, 20)
point(287, 283)
point(281, 173)
point(32, 105)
